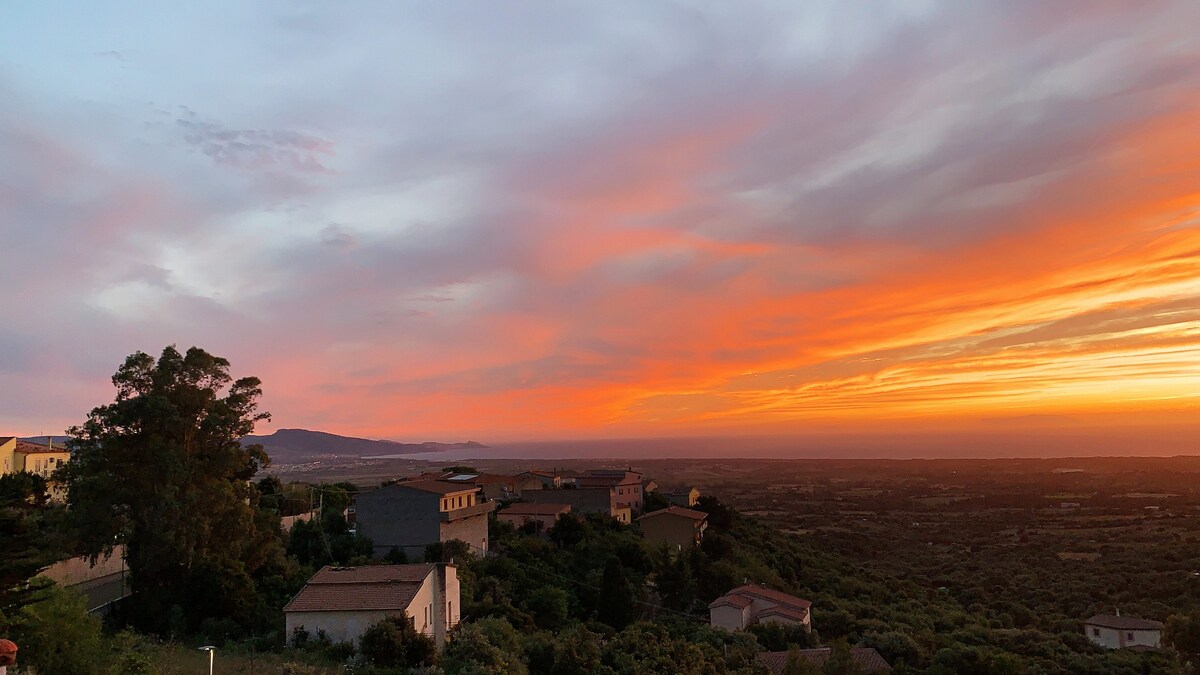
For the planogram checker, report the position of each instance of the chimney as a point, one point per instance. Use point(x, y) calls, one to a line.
point(1118, 611)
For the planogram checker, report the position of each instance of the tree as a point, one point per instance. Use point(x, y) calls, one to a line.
point(162, 470)
point(394, 643)
point(569, 531)
point(616, 603)
point(454, 550)
point(57, 635)
point(1183, 633)
point(548, 606)
point(675, 581)
point(796, 664)
point(29, 542)
point(841, 661)
point(470, 650)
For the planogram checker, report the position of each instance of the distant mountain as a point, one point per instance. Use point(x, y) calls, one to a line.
point(58, 440)
point(290, 445)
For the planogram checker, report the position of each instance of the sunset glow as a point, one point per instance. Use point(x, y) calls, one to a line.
point(587, 223)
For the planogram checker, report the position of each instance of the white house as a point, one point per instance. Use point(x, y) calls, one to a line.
point(750, 604)
point(344, 601)
point(1119, 632)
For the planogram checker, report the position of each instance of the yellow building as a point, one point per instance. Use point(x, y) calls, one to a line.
point(8, 447)
point(38, 458)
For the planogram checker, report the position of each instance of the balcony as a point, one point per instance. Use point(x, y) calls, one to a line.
point(468, 511)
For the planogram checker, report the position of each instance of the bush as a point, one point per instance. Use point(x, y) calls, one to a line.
point(57, 635)
point(393, 642)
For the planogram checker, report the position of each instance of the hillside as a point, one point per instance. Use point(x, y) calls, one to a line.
point(291, 445)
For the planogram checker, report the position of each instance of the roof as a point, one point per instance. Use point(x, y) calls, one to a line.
point(367, 588)
point(5, 439)
point(479, 478)
point(527, 509)
point(769, 594)
point(739, 601)
point(676, 511)
point(683, 493)
point(436, 487)
point(865, 658)
point(1123, 622)
point(31, 448)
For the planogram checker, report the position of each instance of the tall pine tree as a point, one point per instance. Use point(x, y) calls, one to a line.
point(616, 603)
point(161, 469)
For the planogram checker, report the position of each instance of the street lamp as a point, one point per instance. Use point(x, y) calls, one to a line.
point(211, 650)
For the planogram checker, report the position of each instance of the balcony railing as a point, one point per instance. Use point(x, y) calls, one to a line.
point(468, 511)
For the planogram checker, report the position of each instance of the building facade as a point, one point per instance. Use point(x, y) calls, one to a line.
point(1119, 632)
point(583, 500)
point(750, 604)
point(410, 516)
point(343, 602)
point(625, 484)
point(674, 526)
point(544, 515)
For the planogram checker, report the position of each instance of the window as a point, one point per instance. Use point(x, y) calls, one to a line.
point(1129, 637)
point(1096, 632)
point(449, 611)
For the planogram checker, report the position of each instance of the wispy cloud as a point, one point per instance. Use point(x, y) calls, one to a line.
point(654, 220)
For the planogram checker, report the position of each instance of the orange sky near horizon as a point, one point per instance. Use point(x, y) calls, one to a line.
point(945, 219)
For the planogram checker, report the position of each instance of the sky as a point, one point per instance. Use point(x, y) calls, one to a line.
point(566, 220)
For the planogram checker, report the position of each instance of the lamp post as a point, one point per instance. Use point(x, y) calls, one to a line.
point(211, 650)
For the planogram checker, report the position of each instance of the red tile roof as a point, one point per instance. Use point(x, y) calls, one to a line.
point(31, 448)
point(676, 511)
point(739, 601)
point(371, 574)
point(526, 509)
point(867, 659)
point(771, 594)
point(367, 588)
point(1123, 622)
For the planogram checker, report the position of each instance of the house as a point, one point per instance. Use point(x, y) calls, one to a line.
point(549, 480)
point(344, 601)
point(868, 660)
point(1119, 632)
point(412, 515)
point(40, 458)
point(649, 486)
point(496, 486)
point(626, 485)
point(545, 515)
point(584, 500)
point(546, 479)
point(675, 526)
point(750, 604)
point(685, 498)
